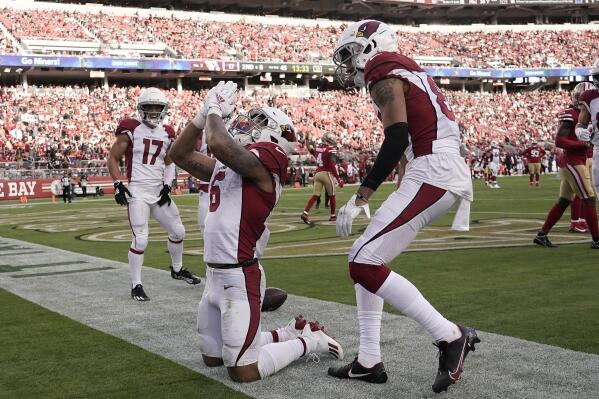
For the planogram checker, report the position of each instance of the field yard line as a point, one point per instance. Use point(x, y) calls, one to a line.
point(502, 367)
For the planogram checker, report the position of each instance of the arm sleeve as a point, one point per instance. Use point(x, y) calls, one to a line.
point(393, 147)
point(568, 143)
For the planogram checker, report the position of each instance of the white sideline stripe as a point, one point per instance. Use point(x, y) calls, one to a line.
point(502, 367)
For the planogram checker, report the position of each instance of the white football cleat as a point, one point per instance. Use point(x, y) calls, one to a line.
point(294, 328)
point(318, 341)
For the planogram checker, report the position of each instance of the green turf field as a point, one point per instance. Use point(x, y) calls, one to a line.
point(491, 277)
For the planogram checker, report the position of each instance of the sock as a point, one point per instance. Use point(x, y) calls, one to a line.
point(552, 218)
point(576, 209)
point(590, 214)
point(537, 176)
point(311, 202)
point(405, 297)
point(276, 356)
point(175, 248)
point(333, 202)
point(370, 312)
point(531, 178)
point(268, 337)
point(494, 179)
point(136, 260)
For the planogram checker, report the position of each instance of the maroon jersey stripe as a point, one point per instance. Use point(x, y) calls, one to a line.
point(426, 196)
point(252, 276)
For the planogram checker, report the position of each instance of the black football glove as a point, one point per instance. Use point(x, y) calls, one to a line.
point(165, 195)
point(120, 193)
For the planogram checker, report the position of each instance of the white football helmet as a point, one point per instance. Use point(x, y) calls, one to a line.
point(579, 89)
point(360, 41)
point(595, 73)
point(152, 96)
point(264, 124)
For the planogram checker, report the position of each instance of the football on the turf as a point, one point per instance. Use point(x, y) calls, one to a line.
point(273, 299)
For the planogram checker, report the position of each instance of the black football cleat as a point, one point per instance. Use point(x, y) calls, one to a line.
point(185, 275)
point(451, 358)
point(355, 371)
point(139, 294)
point(543, 241)
point(595, 244)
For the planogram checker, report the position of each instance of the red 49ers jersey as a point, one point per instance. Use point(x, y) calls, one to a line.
point(235, 227)
point(431, 122)
point(590, 100)
point(573, 156)
point(147, 148)
point(534, 154)
point(323, 153)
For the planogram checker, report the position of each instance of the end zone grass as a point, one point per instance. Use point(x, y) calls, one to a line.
point(543, 295)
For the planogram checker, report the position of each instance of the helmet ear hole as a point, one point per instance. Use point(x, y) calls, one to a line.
point(368, 48)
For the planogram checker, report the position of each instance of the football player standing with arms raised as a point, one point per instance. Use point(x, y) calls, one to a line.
point(417, 121)
point(145, 141)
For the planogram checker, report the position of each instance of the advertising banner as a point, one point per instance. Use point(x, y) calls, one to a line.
point(126, 63)
point(42, 61)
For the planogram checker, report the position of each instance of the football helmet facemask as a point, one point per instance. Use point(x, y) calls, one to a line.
point(358, 43)
point(148, 97)
point(264, 124)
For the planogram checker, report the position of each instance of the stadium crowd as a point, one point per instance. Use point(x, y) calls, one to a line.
point(54, 127)
point(195, 38)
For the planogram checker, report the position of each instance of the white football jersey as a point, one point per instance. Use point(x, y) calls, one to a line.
point(590, 100)
point(235, 227)
point(147, 149)
point(433, 128)
point(495, 155)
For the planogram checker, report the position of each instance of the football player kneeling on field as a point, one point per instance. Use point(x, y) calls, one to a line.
point(245, 184)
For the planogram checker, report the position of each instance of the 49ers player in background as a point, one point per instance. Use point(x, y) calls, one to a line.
point(590, 133)
point(145, 142)
point(246, 181)
point(576, 179)
point(417, 121)
point(326, 170)
point(534, 154)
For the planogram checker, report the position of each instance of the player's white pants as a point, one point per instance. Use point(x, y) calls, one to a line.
point(229, 314)
point(203, 204)
point(399, 219)
point(139, 212)
point(494, 169)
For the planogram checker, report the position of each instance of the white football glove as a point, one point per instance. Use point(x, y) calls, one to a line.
point(583, 134)
point(221, 99)
point(223, 104)
point(347, 214)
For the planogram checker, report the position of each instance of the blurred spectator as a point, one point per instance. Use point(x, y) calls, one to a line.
point(197, 38)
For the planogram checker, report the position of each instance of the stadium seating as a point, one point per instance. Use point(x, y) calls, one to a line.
point(80, 125)
point(193, 37)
